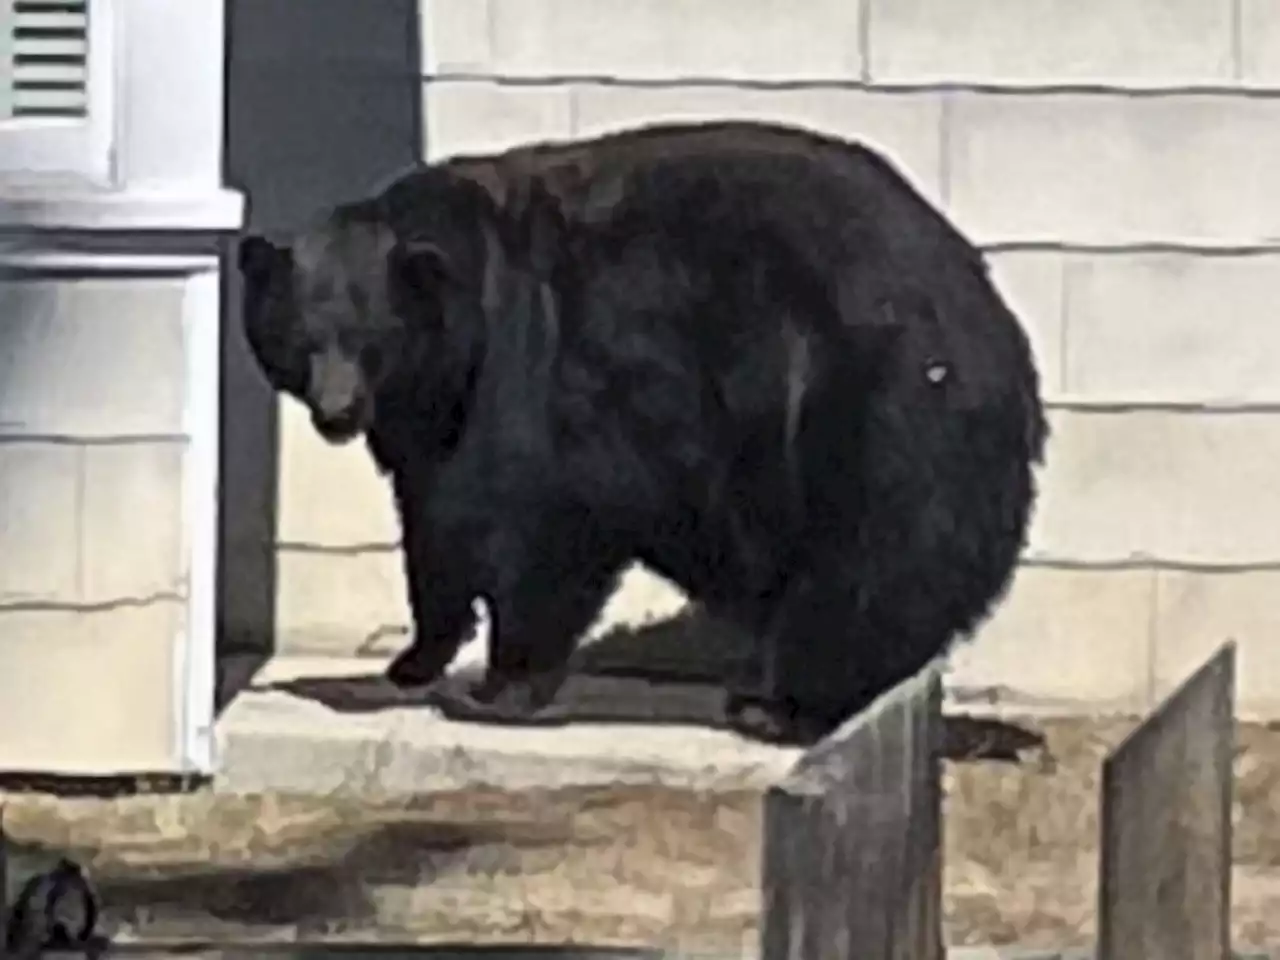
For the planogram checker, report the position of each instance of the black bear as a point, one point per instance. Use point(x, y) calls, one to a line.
point(758, 362)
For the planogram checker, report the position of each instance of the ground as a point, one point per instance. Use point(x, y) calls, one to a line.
point(634, 864)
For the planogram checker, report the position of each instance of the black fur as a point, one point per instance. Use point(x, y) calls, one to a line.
point(766, 368)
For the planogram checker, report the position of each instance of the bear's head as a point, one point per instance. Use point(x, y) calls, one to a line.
point(340, 314)
point(382, 309)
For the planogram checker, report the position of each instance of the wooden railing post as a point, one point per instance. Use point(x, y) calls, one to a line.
point(853, 838)
point(1164, 890)
point(4, 880)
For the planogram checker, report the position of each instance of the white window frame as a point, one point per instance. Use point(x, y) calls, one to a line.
point(40, 149)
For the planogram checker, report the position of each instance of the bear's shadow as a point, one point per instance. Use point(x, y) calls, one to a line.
point(666, 672)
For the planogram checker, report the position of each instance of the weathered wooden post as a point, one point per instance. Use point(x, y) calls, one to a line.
point(853, 838)
point(4, 880)
point(1164, 889)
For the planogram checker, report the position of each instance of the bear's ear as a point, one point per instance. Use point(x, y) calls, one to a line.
point(258, 256)
point(416, 269)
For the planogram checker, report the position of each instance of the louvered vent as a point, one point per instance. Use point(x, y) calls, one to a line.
point(44, 58)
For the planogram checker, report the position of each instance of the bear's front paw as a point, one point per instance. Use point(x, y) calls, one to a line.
point(416, 667)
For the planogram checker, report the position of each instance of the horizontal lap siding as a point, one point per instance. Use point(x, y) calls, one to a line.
point(95, 456)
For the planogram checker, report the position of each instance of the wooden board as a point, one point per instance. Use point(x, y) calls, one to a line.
point(853, 838)
point(1165, 882)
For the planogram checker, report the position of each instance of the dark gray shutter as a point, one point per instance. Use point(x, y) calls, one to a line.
point(44, 58)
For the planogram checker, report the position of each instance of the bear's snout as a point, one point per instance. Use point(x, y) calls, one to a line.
point(340, 427)
point(337, 396)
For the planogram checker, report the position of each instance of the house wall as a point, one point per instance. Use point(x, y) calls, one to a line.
point(99, 460)
point(1116, 161)
point(109, 299)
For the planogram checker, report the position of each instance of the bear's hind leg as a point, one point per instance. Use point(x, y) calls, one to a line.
point(826, 653)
